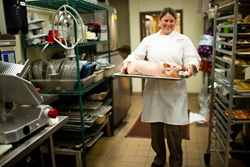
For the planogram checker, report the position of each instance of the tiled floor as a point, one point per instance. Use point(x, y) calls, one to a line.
point(118, 151)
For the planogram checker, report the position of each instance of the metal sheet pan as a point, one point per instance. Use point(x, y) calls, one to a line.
point(242, 92)
point(144, 76)
point(243, 54)
point(243, 34)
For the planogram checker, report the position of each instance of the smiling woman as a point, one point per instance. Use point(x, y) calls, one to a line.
point(167, 21)
point(149, 22)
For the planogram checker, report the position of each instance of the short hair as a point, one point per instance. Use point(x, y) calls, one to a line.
point(168, 10)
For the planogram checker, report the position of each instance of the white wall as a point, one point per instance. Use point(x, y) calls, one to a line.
point(192, 27)
point(35, 53)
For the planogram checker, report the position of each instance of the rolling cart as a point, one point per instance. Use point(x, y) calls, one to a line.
point(226, 42)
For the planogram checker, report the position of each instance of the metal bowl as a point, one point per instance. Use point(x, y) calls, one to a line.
point(98, 93)
point(101, 119)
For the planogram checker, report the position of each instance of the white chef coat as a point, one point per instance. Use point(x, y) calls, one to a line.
point(166, 100)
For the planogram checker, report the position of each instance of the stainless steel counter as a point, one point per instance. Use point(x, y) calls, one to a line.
point(17, 153)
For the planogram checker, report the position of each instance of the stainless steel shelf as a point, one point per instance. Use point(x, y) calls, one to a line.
point(224, 51)
point(221, 128)
point(222, 120)
point(225, 18)
point(227, 7)
point(94, 139)
point(76, 92)
point(225, 34)
point(240, 121)
point(220, 111)
point(224, 43)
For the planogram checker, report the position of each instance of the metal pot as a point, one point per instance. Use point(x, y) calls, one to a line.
point(101, 119)
point(98, 93)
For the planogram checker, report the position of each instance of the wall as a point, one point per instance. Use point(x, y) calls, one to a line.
point(192, 27)
point(18, 48)
point(34, 54)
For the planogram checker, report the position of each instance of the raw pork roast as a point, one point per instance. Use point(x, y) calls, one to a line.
point(141, 67)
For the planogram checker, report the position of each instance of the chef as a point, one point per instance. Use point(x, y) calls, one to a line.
point(165, 101)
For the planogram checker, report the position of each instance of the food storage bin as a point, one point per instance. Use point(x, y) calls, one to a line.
point(109, 71)
point(98, 75)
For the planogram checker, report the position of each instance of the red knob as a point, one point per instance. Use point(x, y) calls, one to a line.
point(52, 113)
point(38, 89)
point(42, 40)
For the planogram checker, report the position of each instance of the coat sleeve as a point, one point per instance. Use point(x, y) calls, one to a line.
point(139, 53)
point(191, 56)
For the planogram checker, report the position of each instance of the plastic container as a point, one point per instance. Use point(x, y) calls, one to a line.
point(87, 69)
point(109, 71)
point(88, 80)
point(99, 75)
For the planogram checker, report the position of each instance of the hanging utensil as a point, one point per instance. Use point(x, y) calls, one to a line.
point(64, 17)
point(52, 71)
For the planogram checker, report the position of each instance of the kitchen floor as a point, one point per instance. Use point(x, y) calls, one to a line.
point(120, 151)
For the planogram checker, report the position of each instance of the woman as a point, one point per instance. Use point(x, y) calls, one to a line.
point(165, 101)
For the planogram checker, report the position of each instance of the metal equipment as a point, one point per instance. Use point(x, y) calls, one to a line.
point(223, 123)
point(30, 115)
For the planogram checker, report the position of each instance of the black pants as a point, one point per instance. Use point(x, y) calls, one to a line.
point(174, 139)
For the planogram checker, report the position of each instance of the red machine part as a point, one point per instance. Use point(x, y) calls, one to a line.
point(52, 113)
point(50, 38)
point(38, 89)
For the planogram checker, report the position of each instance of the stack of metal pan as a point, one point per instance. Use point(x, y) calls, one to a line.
point(66, 69)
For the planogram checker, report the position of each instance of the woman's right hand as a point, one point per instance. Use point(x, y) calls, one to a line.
point(125, 67)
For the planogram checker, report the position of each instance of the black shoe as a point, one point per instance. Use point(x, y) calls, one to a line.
point(154, 165)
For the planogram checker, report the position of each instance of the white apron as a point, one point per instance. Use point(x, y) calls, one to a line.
point(166, 100)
